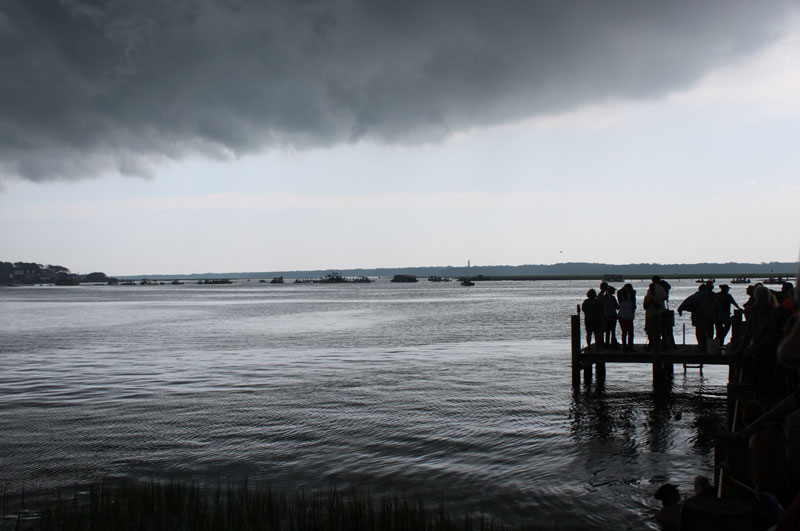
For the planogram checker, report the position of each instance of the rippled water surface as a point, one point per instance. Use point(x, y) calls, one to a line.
point(430, 389)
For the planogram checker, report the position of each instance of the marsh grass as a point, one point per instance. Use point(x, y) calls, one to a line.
point(180, 506)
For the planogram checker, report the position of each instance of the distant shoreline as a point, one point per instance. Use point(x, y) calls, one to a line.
point(213, 280)
point(21, 273)
point(569, 271)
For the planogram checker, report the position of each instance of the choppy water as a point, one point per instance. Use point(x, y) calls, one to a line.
point(429, 389)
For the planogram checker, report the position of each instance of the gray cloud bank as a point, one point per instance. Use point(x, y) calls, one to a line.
point(92, 86)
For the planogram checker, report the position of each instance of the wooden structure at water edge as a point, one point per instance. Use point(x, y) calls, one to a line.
point(662, 360)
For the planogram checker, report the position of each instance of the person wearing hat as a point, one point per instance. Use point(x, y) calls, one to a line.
point(722, 304)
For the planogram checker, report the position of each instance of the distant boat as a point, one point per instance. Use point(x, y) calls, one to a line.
point(467, 282)
point(277, 280)
point(436, 278)
point(740, 280)
point(177, 283)
point(337, 278)
point(704, 280)
point(331, 278)
point(209, 281)
point(613, 278)
point(404, 278)
point(774, 280)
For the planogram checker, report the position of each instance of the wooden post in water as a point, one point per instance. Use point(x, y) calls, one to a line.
point(658, 369)
point(736, 328)
point(734, 369)
point(600, 369)
point(576, 349)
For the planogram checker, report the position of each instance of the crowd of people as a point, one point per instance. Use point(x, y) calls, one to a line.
point(711, 314)
point(602, 311)
point(767, 355)
point(767, 372)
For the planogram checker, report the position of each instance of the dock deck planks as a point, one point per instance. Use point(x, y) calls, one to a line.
point(687, 354)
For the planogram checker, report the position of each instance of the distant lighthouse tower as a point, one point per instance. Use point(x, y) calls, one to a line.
point(468, 266)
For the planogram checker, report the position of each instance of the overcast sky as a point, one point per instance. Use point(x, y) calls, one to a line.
point(171, 136)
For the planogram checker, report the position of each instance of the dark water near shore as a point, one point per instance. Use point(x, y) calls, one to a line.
point(430, 389)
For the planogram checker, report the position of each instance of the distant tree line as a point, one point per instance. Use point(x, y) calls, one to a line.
point(569, 269)
point(22, 273)
point(14, 273)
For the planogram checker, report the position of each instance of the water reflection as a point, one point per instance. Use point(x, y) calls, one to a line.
point(644, 426)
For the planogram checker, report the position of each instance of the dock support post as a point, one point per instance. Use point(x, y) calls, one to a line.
point(600, 370)
point(736, 328)
point(576, 350)
point(660, 373)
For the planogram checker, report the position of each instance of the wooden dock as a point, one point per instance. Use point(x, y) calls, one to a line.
point(729, 450)
point(662, 361)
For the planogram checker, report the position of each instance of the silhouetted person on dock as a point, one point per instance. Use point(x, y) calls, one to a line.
point(758, 346)
point(722, 303)
point(751, 300)
point(601, 299)
point(701, 305)
point(610, 307)
point(653, 308)
point(627, 312)
point(667, 317)
point(662, 287)
point(592, 319)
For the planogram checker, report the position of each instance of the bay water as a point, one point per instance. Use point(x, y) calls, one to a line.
point(434, 390)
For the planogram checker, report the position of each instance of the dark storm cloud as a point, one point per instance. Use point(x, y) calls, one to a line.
point(93, 86)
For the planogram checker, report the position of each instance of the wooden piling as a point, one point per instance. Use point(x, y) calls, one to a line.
point(658, 373)
point(600, 370)
point(736, 328)
point(576, 349)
